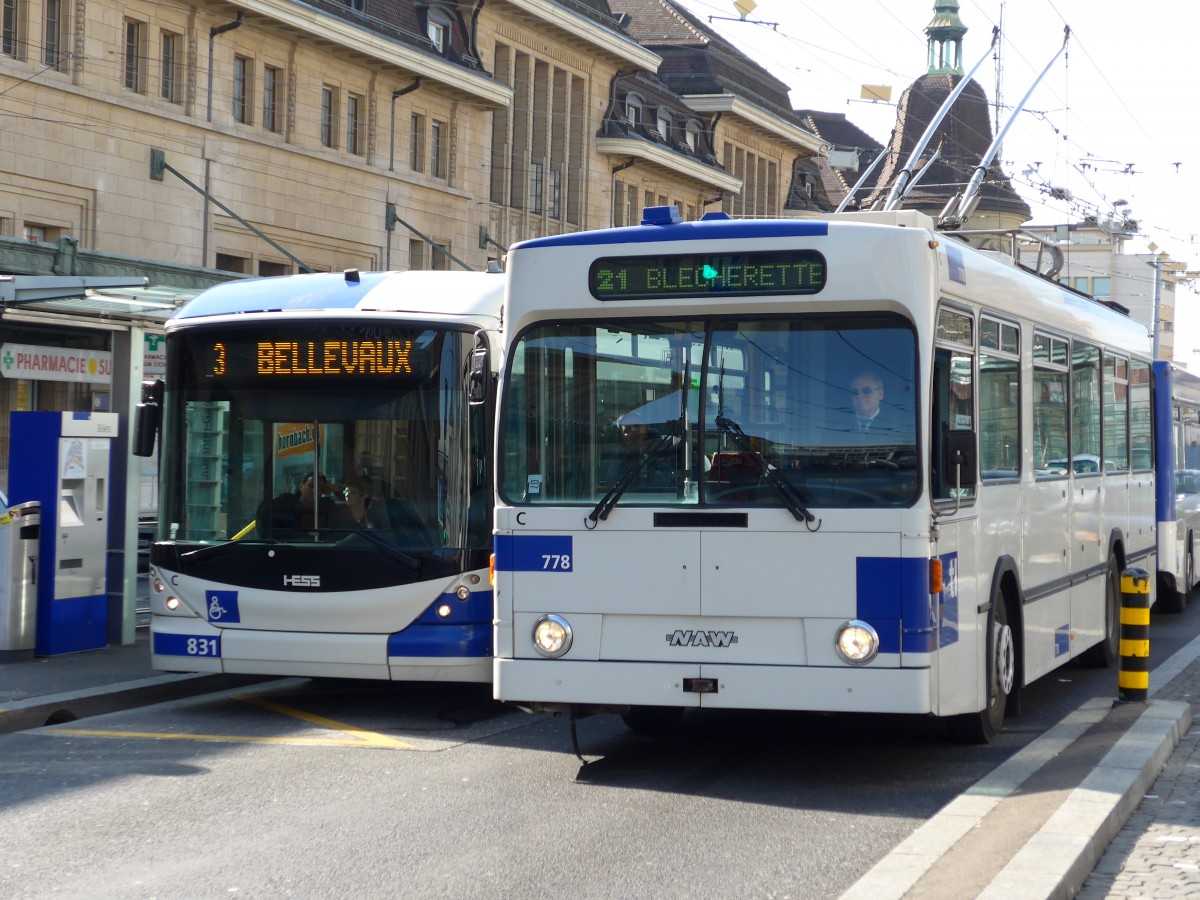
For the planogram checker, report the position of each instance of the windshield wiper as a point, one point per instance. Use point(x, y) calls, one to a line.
point(778, 483)
point(655, 447)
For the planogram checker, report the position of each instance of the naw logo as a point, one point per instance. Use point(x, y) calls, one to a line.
point(681, 638)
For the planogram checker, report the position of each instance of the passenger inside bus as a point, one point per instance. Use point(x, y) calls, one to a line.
point(302, 509)
point(360, 510)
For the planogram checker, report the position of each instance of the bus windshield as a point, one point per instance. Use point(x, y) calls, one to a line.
point(325, 434)
point(807, 411)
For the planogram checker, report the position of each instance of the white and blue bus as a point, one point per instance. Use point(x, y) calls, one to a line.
point(849, 464)
point(325, 489)
point(1177, 458)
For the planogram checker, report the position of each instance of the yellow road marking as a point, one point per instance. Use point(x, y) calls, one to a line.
point(231, 738)
point(356, 737)
point(374, 738)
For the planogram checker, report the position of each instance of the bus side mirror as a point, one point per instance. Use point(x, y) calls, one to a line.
point(477, 379)
point(959, 460)
point(147, 418)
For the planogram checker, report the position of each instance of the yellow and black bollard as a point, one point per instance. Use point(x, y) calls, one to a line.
point(1135, 635)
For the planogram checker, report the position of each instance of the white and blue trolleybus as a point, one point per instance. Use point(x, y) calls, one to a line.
point(1177, 452)
point(845, 464)
point(325, 489)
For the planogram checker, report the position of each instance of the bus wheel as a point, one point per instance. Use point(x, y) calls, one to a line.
point(1174, 599)
point(656, 720)
point(983, 726)
point(1106, 653)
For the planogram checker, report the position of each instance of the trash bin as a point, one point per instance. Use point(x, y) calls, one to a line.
point(18, 580)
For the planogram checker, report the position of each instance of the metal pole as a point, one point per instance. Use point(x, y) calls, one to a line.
point(1157, 324)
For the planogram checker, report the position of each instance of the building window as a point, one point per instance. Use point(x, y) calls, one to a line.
point(168, 87)
point(267, 269)
point(633, 109)
point(438, 149)
point(437, 31)
point(328, 116)
point(241, 89)
point(1102, 287)
point(440, 259)
point(536, 174)
point(10, 22)
point(133, 55)
point(55, 33)
point(354, 138)
point(555, 199)
point(416, 143)
point(664, 125)
point(416, 254)
point(227, 262)
point(35, 233)
point(271, 91)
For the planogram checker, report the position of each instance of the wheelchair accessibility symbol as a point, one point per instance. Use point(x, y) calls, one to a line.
point(223, 607)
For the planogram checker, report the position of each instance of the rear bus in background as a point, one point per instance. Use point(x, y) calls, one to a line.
point(325, 488)
point(691, 512)
point(1177, 452)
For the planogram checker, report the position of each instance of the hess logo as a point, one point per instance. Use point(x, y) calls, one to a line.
point(301, 580)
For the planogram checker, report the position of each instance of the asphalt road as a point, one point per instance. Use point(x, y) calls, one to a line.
point(328, 788)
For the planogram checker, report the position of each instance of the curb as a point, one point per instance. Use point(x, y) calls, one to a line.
point(1064, 849)
point(1059, 858)
point(56, 709)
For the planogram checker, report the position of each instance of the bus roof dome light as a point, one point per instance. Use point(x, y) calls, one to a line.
point(661, 215)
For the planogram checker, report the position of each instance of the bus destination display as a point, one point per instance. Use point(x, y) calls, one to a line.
point(240, 358)
point(762, 274)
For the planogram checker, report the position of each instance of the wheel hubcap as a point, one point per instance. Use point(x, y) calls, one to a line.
point(1006, 659)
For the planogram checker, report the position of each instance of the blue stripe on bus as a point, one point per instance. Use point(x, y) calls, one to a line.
point(1062, 640)
point(466, 632)
point(719, 229)
point(1164, 442)
point(893, 597)
point(197, 646)
point(534, 553)
point(322, 290)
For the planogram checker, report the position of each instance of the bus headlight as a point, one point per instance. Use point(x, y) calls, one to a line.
point(857, 642)
point(552, 636)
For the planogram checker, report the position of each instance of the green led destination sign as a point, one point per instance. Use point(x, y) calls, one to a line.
point(763, 274)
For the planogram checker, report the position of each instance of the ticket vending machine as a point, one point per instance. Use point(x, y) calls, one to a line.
point(62, 459)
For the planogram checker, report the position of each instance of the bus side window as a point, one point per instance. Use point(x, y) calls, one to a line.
point(953, 410)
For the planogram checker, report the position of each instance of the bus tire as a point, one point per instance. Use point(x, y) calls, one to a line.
point(1172, 597)
point(1001, 666)
point(1106, 653)
point(653, 720)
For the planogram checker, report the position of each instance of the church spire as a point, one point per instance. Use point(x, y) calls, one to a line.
point(945, 32)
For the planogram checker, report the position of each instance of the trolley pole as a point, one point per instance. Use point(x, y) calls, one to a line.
point(1134, 678)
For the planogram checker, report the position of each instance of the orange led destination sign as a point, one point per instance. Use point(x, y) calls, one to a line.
point(387, 356)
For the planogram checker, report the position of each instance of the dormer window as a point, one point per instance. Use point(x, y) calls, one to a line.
point(692, 136)
point(437, 29)
point(633, 109)
point(664, 124)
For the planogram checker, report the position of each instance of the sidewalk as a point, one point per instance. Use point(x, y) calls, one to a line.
point(56, 689)
point(1037, 826)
